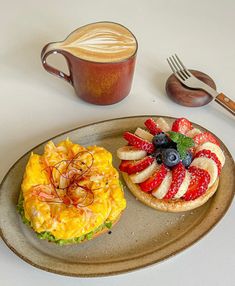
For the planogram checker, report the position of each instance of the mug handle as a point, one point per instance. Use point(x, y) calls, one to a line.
point(51, 49)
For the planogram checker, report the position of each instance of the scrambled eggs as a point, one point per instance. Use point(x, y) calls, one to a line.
point(71, 192)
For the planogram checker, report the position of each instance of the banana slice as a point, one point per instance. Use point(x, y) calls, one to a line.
point(162, 124)
point(145, 174)
point(209, 165)
point(162, 190)
point(130, 153)
point(184, 186)
point(193, 132)
point(144, 134)
point(213, 148)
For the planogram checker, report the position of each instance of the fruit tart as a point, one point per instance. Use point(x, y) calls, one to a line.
point(171, 168)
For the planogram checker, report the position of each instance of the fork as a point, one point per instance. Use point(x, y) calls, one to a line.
point(189, 80)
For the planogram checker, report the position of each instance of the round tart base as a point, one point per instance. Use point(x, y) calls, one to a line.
point(177, 205)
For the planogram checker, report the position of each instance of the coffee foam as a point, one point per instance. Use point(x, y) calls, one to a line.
point(101, 42)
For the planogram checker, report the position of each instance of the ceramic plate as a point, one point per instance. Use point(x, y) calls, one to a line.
point(142, 237)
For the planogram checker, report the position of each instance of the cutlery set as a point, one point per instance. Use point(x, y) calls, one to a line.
point(190, 81)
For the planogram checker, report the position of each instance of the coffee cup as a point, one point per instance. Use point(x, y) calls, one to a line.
point(101, 60)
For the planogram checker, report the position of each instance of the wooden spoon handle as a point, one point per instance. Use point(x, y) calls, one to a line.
point(226, 102)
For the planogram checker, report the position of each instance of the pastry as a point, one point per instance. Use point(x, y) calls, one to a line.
point(171, 168)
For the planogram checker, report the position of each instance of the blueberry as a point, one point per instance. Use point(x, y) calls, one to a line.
point(160, 140)
point(170, 157)
point(158, 155)
point(188, 159)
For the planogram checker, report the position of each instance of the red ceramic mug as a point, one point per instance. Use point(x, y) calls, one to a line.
point(101, 61)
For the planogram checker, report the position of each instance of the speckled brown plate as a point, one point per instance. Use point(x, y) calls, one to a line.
point(143, 235)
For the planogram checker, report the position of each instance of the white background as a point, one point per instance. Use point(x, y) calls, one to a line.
point(35, 106)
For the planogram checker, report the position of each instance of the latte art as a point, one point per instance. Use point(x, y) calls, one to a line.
point(101, 42)
point(104, 42)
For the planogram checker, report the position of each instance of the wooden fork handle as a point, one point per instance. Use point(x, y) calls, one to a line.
point(226, 102)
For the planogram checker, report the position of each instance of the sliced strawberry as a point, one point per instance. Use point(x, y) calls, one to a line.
point(138, 142)
point(123, 167)
point(204, 137)
point(140, 165)
point(198, 185)
point(155, 180)
point(181, 125)
point(210, 155)
point(132, 167)
point(152, 126)
point(178, 175)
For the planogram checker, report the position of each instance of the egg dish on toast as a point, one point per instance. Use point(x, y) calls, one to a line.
point(71, 193)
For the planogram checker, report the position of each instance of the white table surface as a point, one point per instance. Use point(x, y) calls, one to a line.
point(35, 106)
